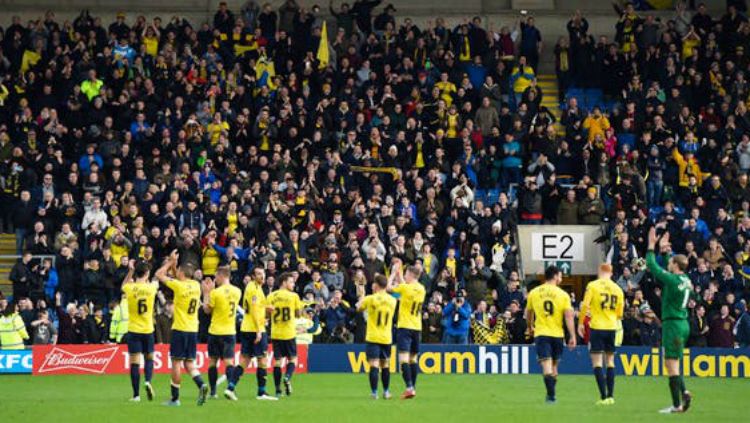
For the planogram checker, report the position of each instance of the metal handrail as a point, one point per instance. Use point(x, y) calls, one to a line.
point(37, 256)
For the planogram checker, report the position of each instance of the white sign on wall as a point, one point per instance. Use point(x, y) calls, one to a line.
point(570, 247)
point(558, 246)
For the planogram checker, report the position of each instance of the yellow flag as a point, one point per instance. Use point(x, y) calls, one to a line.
point(323, 56)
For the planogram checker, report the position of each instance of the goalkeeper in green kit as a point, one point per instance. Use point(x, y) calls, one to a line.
point(676, 291)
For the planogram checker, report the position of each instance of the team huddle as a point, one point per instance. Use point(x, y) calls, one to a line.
point(549, 309)
point(398, 297)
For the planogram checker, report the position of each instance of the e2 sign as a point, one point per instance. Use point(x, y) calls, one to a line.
point(557, 246)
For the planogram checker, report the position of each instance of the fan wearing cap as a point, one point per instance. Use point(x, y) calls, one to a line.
point(603, 302)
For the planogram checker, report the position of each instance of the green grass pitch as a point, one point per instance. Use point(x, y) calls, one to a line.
point(345, 397)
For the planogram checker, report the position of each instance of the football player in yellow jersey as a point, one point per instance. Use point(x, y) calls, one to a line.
point(409, 325)
point(285, 307)
point(140, 296)
point(220, 300)
point(380, 307)
point(182, 349)
point(547, 308)
point(604, 302)
point(253, 335)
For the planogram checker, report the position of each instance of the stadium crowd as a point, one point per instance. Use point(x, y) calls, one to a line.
point(239, 141)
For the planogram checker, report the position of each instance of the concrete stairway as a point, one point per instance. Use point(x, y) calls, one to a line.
point(550, 91)
point(7, 247)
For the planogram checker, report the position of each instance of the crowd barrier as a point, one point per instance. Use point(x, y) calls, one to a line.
point(434, 359)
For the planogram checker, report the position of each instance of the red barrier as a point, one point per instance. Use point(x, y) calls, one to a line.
point(113, 359)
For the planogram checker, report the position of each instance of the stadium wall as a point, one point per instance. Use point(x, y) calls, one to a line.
point(434, 359)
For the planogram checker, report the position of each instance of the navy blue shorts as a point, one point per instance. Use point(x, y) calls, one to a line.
point(602, 341)
point(183, 345)
point(407, 340)
point(377, 351)
point(140, 343)
point(221, 346)
point(248, 346)
point(284, 348)
point(548, 347)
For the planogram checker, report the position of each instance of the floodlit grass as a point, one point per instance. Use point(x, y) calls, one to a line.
point(345, 397)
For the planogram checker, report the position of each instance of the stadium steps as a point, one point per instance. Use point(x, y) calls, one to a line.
point(550, 91)
point(7, 248)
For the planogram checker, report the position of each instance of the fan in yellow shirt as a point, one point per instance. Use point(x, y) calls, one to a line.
point(604, 302)
point(409, 327)
point(139, 296)
point(220, 300)
point(380, 308)
point(183, 348)
point(547, 308)
point(286, 306)
point(253, 335)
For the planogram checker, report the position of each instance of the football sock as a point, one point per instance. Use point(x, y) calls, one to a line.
point(260, 376)
point(277, 378)
point(674, 389)
point(600, 382)
point(148, 369)
point(290, 370)
point(197, 379)
point(175, 391)
point(414, 371)
point(385, 377)
point(610, 382)
point(236, 375)
point(549, 382)
point(374, 379)
point(213, 376)
point(229, 373)
point(406, 374)
point(682, 384)
point(135, 378)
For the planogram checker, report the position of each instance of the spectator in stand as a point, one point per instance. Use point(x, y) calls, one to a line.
point(721, 329)
point(456, 320)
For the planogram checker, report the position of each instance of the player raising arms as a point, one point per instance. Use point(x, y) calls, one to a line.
point(220, 300)
point(140, 296)
point(380, 307)
point(409, 325)
point(182, 350)
point(286, 306)
point(676, 291)
point(546, 308)
point(604, 301)
point(253, 336)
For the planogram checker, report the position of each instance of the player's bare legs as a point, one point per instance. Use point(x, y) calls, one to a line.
point(213, 375)
point(597, 359)
point(385, 378)
point(135, 376)
point(610, 376)
point(174, 386)
point(264, 363)
point(549, 370)
point(681, 397)
point(404, 358)
point(374, 373)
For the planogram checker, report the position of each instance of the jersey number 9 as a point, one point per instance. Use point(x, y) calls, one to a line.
point(549, 308)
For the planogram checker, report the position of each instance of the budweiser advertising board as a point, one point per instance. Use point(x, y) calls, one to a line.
point(114, 359)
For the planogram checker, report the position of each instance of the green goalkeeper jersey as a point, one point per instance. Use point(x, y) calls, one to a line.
point(676, 290)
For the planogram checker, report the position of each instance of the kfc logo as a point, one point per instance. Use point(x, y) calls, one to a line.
point(65, 361)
